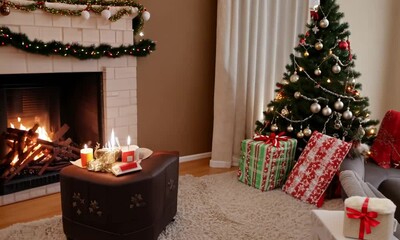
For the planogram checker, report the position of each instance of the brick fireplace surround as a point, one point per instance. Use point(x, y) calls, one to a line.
point(119, 74)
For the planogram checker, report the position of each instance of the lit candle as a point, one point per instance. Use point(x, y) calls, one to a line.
point(86, 155)
point(127, 153)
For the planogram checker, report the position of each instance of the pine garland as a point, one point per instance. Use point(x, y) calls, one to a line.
point(21, 41)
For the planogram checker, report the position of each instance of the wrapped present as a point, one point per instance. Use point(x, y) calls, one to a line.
point(385, 150)
point(266, 161)
point(369, 218)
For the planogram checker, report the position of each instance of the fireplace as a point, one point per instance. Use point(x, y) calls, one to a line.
point(116, 82)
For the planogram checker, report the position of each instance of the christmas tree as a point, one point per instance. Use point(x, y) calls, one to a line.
point(319, 91)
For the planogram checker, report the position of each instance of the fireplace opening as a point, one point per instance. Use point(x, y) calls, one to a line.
point(71, 103)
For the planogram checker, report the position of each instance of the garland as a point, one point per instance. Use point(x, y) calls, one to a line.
point(110, 10)
point(21, 41)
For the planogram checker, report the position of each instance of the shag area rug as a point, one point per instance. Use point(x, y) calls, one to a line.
point(212, 207)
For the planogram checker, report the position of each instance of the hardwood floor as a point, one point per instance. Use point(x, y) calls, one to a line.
point(50, 205)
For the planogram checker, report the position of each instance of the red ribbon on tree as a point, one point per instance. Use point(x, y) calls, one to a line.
point(366, 218)
point(272, 138)
point(314, 15)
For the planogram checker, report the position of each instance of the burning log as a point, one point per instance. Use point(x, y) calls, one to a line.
point(27, 150)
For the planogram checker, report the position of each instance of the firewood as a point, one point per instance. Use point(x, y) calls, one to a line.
point(57, 136)
point(24, 163)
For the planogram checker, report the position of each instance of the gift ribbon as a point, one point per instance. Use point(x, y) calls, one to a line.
point(272, 138)
point(366, 218)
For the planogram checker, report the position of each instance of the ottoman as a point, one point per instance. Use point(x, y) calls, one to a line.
point(139, 205)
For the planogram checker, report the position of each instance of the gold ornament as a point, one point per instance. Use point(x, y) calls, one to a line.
point(306, 54)
point(274, 127)
point(307, 132)
point(289, 128)
point(318, 46)
point(300, 134)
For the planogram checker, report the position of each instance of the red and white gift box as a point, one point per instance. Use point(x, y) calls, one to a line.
point(315, 168)
point(369, 218)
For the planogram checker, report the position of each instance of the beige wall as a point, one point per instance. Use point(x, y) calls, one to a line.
point(176, 82)
point(375, 35)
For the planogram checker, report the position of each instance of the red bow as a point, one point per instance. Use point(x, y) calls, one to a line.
point(366, 218)
point(314, 15)
point(272, 138)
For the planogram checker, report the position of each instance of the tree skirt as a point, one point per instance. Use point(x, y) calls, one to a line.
point(212, 207)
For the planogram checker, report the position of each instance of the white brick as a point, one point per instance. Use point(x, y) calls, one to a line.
point(122, 134)
point(125, 73)
point(102, 23)
point(71, 35)
point(125, 121)
point(117, 102)
point(42, 19)
point(132, 61)
point(13, 63)
point(128, 37)
point(89, 65)
point(48, 34)
point(113, 62)
point(107, 36)
point(109, 73)
point(18, 18)
point(62, 64)
point(91, 35)
point(119, 37)
point(9, 198)
point(133, 101)
point(120, 84)
point(37, 192)
point(127, 111)
point(112, 112)
point(79, 22)
point(61, 21)
point(21, 196)
point(53, 188)
point(32, 32)
point(38, 63)
point(118, 25)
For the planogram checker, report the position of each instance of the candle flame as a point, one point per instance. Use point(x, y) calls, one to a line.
point(85, 146)
point(112, 138)
point(128, 141)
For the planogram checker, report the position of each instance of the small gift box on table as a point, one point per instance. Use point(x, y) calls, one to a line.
point(266, 161)
point(369, 218)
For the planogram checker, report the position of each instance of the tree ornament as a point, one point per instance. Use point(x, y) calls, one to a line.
point(302, 41)
point(106, 14)
point(347, 114)
point(360, 131)
point(338, 104)
point(4, 9)
point(317, 72)
point(326, 111)
point(324, 23)
point(300, 134)
point(319, 46)
point(146, 16)
point(337, 125)
point(274, 127)
point(315, 107)
point(285, 111)
point(297, 95)
point(336, 68)
point(306, 54)
point(270, 109)
point(289, 128)
point(134, 11)
point(294, 78)
point(343, 45)
point(307, 131)
point(284, 82)
point(85, 14)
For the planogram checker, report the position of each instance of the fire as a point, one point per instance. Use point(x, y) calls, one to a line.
point(42, 134)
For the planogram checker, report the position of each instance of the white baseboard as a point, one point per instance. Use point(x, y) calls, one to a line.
point(219, 164)
point(195, 157)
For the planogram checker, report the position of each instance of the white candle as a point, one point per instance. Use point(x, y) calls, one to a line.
point(86, 155)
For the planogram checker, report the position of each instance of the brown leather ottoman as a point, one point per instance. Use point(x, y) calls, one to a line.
point(139, 205)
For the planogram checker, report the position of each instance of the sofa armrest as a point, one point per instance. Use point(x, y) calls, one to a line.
point(355, 164)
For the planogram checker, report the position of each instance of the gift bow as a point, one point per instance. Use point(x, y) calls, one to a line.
point(366, 218)
point(272, 138)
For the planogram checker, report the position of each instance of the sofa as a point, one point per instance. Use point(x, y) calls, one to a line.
point(363, 177)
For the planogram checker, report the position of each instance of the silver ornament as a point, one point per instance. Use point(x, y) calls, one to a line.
point(336, 68)
point(360, 131)
point(274, 127)
point(284, 82)
point(326, 111)
point(300, 134)
point(297, 95)
point(284, 111)
point(270, 109)
point(307, 132)
point(338, 104)
point(347, 114)
point(315, 107)
point(289, 128)
point(318, 46)
point(294, 78)
point(324, 23)
point(317, 72)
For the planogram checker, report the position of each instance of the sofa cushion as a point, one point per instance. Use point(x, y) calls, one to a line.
point(353, 185)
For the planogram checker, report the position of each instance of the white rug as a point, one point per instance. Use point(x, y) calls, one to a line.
point(212, 207)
